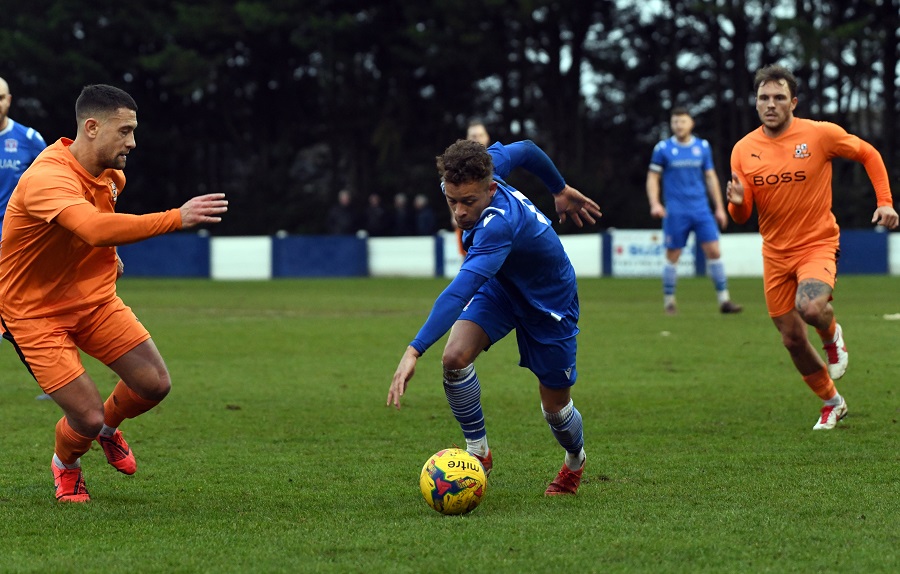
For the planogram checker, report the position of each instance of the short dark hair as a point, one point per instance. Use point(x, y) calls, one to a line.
point(101, 99)
point(464, 162)
point(774, 73)
point(680, 111)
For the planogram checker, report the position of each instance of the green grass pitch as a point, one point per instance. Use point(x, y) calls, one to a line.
point(275, 451)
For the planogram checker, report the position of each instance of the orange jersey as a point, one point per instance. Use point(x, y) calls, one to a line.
point(47, 269)
point(789, 180)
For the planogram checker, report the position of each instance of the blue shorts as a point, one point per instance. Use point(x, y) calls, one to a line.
point(546, 346)
point(677, 227)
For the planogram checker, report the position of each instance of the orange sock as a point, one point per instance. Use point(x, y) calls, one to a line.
point(123, 404)
point(828, 334)
point(69, 444)
point(821, 384)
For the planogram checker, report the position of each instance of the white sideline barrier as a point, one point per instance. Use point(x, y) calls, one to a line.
point(585, 252)
point(241, 258)
point(742, 254)
point(401, 256)
point(641, 253)
point(894, 254)
point(452, 257)
point(635, 253)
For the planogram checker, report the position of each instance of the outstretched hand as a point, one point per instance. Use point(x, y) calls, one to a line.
point(574, 205)
point(405, 371)
point(203, 209)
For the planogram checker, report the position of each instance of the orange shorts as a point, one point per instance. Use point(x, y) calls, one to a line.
point(49, 345)
point(782, 275)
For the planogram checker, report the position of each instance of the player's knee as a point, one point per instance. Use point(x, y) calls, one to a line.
point(162, 387)
point(154, 386)
point(811, 310)
point(87, 423)
point(673, 255)
point(555, 400)
point(454, 361)
point(456, 357)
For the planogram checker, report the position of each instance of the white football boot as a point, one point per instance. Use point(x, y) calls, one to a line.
point(831, 415)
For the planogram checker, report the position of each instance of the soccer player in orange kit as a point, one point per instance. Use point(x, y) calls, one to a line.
point(58, 271)
point(784, 167)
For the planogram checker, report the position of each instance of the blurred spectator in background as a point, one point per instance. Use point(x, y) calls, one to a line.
point(341, 217)
point(376, 217)
point(424, 216)
point(478, 133)
point(404, 224)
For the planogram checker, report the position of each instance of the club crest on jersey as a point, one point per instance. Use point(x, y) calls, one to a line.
point(11, 146)
point(801, 151)
point(113, 190)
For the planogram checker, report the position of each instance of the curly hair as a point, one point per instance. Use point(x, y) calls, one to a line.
point(464, 162)
point(775, 73)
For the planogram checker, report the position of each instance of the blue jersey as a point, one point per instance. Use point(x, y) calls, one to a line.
point(683, 168)
point(513, 246)
point(21, 145)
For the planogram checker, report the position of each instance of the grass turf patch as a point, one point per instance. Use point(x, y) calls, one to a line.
point(275, 451)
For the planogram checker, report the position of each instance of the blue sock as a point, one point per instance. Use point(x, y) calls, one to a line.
point(464, 395)
point(670, 276)
point(717, 273)
point(568, 430)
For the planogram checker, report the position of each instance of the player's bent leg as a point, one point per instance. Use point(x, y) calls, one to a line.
point(145, 382)
point(794, 338)
point(566, 424)
point(812, 368)
point(813, 302)
point(463, 389)
point(66, 464)
point(463, 392)
point(75, 393)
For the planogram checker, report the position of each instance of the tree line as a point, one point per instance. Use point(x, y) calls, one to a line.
point(282, 103)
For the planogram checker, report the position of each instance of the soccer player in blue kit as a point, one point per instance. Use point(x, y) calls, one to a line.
point(516, 275)
point(684, 165)
point(21, 145)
